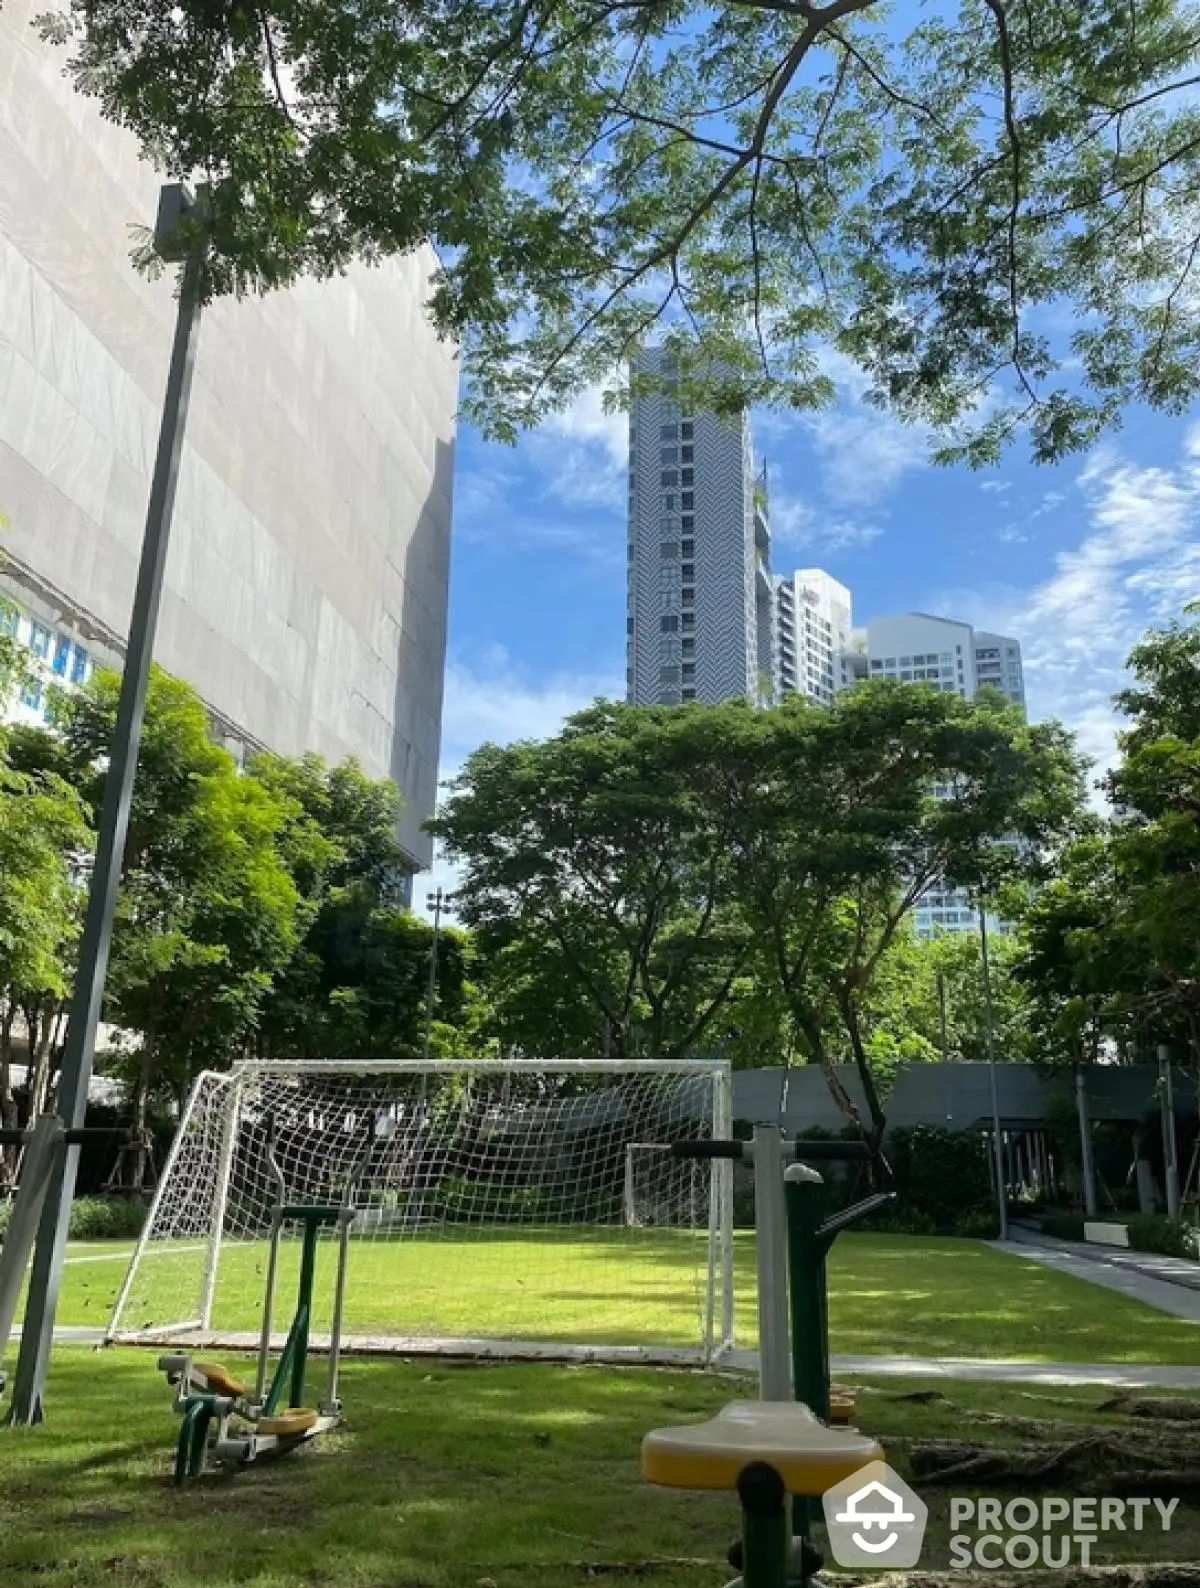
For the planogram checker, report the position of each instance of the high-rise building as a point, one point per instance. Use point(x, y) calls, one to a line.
point(814, 627)
point(954, 657)
point(307, 582)
point(700, 612)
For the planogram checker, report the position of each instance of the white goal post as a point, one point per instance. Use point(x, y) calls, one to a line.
point(507, 1208)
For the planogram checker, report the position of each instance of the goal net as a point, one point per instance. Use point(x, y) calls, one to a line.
point(508, 1208)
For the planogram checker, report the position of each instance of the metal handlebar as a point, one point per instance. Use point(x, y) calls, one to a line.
point(75, 1137)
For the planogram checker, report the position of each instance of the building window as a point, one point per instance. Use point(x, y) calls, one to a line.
point(685, 430)
point(62, 655)
point(669, 550)
point(689, 670)
point(669, 503)
point(32, 696)
point(687, 454)
point(668, 432)
point(689, 477)
point(688, 501)
point(668, 697)
point(39, 640)
point(688, 647)
point(689, 622)
point(877, 667)
point(629, 552)
point(689, 548)
point(669, 624)
point(689, 523)
point(10, 618)
point(629, 625)
point(689, 570)
point(689, 596)
point(670, 477)
point(668, 456)
point(668, 675)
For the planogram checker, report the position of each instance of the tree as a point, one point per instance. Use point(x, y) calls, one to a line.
point(43, 836)
point(356, 986)
point(596, 876)
point(920, 979)
point(763, 181)
point(849, 816)
point(1112, 946)
point(207, 912)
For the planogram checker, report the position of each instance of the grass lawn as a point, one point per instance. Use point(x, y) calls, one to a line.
point(442, 1477)
point(890, 1295)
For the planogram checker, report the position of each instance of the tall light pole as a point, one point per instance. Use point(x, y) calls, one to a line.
point(989, 1025)
point(431, 990)
point(175, 204)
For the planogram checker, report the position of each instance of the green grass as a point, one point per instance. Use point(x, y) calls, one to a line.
point(441, 1477)
point(890, 1295)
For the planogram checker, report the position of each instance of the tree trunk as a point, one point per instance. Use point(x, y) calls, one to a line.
point(862, 1064)
point(8, 1103)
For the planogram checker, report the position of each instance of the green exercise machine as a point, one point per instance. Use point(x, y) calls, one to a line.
point(227, 1420)
point(780, 1446)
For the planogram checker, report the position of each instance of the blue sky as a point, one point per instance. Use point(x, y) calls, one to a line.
point(1076, 561)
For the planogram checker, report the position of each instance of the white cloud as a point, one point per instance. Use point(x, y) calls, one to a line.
point(996, 485)
point(1135, 568)
point(797, 523)
point(582, 453)
point(488, 700)
point(865, 453)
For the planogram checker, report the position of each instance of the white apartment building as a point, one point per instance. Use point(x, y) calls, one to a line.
point(814, 628)
point(920, 649)
point(700, 608)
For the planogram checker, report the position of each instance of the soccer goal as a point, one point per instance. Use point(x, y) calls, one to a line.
point(505, 1208)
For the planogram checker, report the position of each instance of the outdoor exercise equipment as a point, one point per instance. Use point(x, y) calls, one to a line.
point(779, 1446)
point(764, 1451)
point(43, 1143)
point(223, 1418)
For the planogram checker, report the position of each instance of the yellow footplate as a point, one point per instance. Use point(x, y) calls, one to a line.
point(220, 1380)
point(289, 1424)
point(809, 1457)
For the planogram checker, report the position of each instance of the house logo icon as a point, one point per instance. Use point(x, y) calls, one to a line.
point(874, 1519)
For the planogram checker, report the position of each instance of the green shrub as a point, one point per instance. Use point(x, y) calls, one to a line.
point(942, 1176)
point(1155, 1232)
point(1063, 1224)
point(105, 1218)
point(978, 1225)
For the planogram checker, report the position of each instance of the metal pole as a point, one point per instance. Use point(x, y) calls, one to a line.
point(431, 991)
point(1170, 1145)
point(29, 1387)
point(770, 1218)
point(1087, 1164)
point(990, 1039)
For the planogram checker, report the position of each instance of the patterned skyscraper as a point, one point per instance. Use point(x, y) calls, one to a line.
point(700, 598)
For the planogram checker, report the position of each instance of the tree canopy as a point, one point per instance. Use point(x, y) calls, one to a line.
point(923, 190)
point(658, 880)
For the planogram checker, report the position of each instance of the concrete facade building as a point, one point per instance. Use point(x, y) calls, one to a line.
point(307, 584)
point(814, 620)
point(700, 609)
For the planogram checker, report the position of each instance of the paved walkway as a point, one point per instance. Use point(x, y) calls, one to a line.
point(1183, 1271)
point(1119, 1375)
point(1169, 1284)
